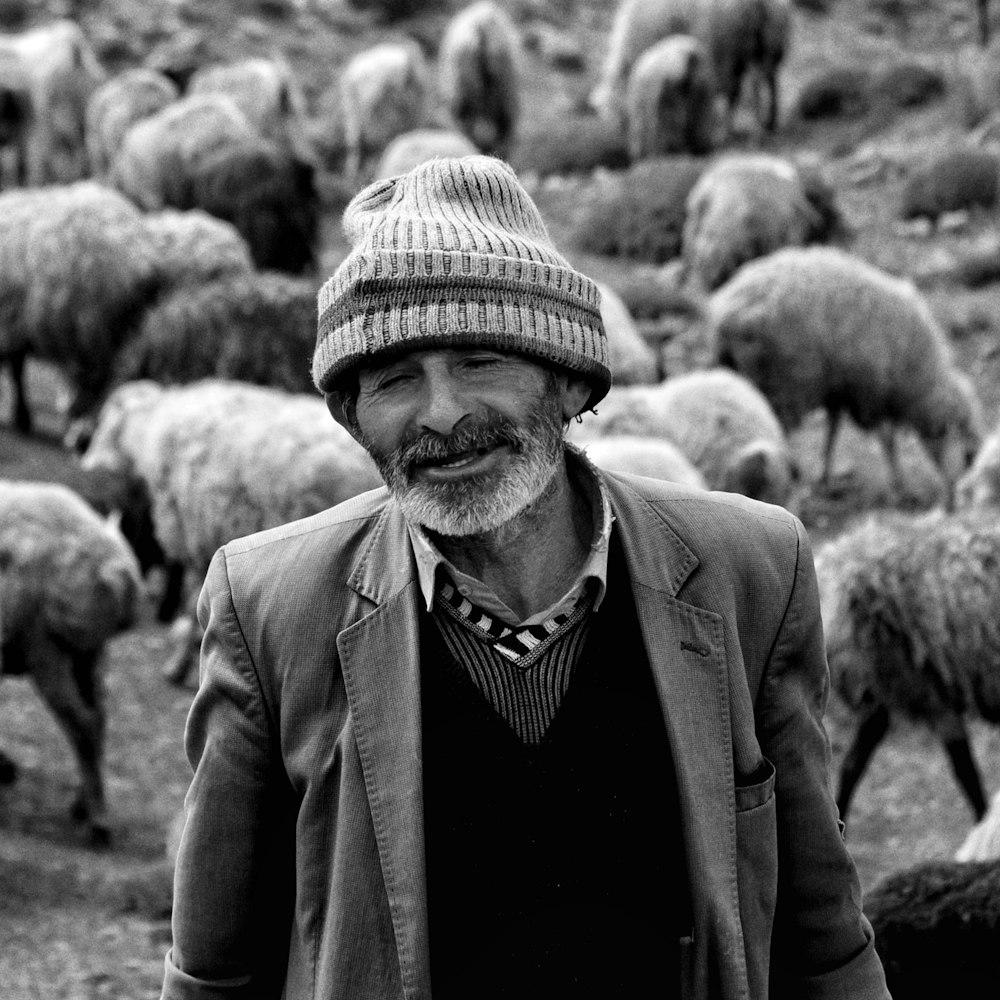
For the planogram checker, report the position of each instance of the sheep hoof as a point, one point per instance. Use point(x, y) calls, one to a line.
point(8, 770)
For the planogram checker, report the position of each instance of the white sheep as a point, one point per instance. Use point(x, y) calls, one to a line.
point(980, 486)
point(57, 67)
point(410, 149)
point(193, 247)
point(268, 93)
point(670, 100)
point(479, 75)
point(384, 91)
point(632, 360)
point(656, 458)
point(719, 421)
point(911, 614)
point(745, 206)
point(68, 583)
point(739, 35)
point(116, 105)
point(817, 327)
point(216, 459)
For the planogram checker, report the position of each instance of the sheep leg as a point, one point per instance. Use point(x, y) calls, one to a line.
point(22, 415)
point(771, 122)
point(888, 438)
point(70, 684)
point(871, 731)
point(186, 635)
point(984, 22)
point(8, 770)
point(173, 592)
point(952, 732)
point(832, 426)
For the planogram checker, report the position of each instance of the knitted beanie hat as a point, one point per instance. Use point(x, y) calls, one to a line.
point(455, 254)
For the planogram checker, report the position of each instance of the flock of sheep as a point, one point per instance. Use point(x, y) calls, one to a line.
point(158, 245)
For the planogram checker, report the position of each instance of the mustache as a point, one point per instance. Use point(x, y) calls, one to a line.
point(430, 446)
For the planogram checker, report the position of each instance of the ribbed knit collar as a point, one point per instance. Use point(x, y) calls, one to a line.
point(585, 478)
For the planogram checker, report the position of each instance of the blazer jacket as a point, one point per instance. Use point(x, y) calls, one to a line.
point(301, 867)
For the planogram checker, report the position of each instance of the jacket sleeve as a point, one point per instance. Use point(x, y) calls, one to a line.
point(231, 892)
point(822, 944)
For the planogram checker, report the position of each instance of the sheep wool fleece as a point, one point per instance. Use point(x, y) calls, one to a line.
point(455, 254)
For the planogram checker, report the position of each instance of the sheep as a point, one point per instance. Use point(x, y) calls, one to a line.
point(980, 485)
point(911, 614)
point(952, 181)
point(935, 929)
point(719, 421)
point(68, 583)
point(817, 327)
point(479, 75)
point(670, 100)
point(76, 267)
point(412, 148)
point(644, 456)
point(632, 360)
point(384, 91)
point(79, 267)
point(738, 35)
point(744, 206)
point(57, 68)
point(217, 459)
point(116, 106)
point(267, 92)
point(983, 841)
point(202, 152)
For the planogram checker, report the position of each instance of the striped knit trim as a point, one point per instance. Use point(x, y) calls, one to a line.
point(523, 674)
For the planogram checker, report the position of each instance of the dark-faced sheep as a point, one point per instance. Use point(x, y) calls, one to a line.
point(670, 100)
point(739, 35)
point(479, 75)
point(215, 460)
point(56, 66)
point(116, 106)
point(745, 206)
point(384, 91)
point(911, 613)
point(202, 152)
point(816, 327)
point(936, 927)
point(68, 584)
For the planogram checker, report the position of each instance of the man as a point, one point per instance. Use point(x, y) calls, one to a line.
point(510, 727)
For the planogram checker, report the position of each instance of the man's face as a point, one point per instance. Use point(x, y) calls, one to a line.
point(465, 438)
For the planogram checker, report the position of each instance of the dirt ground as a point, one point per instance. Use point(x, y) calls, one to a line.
point(77, 924)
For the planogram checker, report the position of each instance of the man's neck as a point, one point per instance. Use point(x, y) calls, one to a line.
point(530, 562)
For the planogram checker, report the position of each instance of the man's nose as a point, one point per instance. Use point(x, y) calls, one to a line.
point(445, 405)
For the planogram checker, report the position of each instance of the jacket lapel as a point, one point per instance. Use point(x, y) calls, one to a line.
point(686, 649)
point(379, 658)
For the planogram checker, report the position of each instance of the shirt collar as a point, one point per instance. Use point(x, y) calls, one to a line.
point(587, 480)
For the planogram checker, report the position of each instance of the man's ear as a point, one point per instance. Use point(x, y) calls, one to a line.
point(575, 393)
point(341, 407)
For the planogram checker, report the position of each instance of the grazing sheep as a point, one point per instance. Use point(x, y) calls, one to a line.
point(116, 106)
point(202, 152)
point(215, 460)
point(911, 612)
point(252, 326)
point(745, 206)
point(739, 35)
point(77, 265)
point(266, 91)
point(980, 486)
point(936, 929)
point(983, 840)
point(384, 91)
point(816, 327)
point(412, 148)
point(954, 180)
point(479, 75)
point(55, 65)
point(644, 456)
point(68, 584)
point(670, 100)
point(719, 421)
point(193, 246)
point(632, 360)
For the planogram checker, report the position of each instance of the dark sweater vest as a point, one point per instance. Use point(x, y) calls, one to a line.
point(555, 870)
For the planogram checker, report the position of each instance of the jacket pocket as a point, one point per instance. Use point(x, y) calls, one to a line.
point(757, 872)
